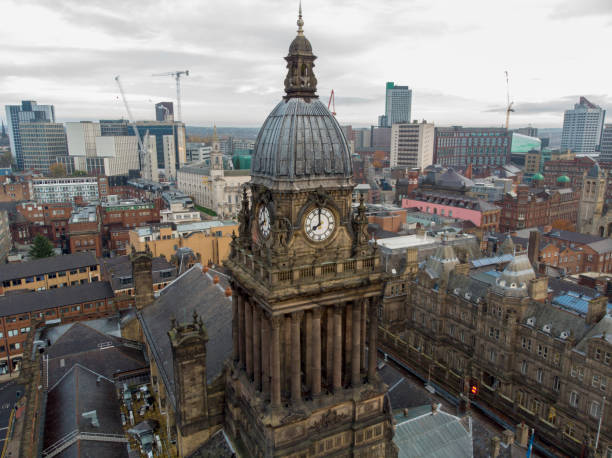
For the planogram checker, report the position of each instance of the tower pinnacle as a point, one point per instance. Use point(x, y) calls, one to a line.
point(300, 21)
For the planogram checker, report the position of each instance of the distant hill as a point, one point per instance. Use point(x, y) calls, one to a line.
point(248, 133)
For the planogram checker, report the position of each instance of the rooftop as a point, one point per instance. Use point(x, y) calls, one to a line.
point(192, 291)
point(47, 265)
point(87, 214)
point(30, 301)
point(119, 269)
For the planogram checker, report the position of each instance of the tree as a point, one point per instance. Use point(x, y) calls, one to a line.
point(79, 173)
point(41, 248)
point(57, 170)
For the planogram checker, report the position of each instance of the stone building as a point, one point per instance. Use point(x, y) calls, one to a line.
point(541, 361)
point(306, 280)
point(594, 217)
point(213, 183)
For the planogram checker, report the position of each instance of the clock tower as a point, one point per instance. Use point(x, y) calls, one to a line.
point(307, 286)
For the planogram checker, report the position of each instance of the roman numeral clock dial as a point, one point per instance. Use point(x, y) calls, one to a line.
point(319, 224)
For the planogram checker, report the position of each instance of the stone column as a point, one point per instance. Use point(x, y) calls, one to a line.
point(316, 352)
point(275, 396)
point(308, 349)
point(355, 351)
point(329, 345)
point(265, 354)
point(235, 321)
point(372, 339)
point(364, 308)
point(248, 324)
point(296, 364)
point(257, 347)
point(287, 355)
point(241, 337)
point(348, 342)
point(337, 332)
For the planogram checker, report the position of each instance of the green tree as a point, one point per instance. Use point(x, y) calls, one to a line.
point(41, 248)
point(79, 173)
point(57, 170)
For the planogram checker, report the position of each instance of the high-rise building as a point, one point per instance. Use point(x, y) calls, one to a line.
point(115, 127)
point(28, 111)
point(164, 111)
point(42, 143)
point(480, 146)
point(529, 131)
point(605, 148)
point(398, 105)
point(582, 127)
point(412, 145)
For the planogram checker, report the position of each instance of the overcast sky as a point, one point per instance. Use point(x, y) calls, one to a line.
point(451, 53)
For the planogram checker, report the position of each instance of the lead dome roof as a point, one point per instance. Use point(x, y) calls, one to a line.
point(301, 140)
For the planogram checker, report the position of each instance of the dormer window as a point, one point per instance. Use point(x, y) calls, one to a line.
point(564, 335)
point(546, 328)
point(531, 321)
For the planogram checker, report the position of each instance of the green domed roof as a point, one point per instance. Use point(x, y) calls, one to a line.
point(538, 177)
point(563, 179)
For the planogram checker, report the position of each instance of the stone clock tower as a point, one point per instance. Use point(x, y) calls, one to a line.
point(307, 285)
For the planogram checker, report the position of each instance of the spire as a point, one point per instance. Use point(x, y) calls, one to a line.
point(300, 80)
point(300, 21)
point(215, 136)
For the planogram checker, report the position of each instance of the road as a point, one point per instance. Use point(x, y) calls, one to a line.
point(8, 397)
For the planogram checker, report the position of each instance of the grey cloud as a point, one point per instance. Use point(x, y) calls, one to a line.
point(571, 9)
point(553, 106)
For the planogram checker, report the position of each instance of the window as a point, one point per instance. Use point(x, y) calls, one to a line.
point(594, 409)
point(540, 375)
point(574, 399)
point(556, 383)
point(492, 355)
point(596, 380)
point(524, 367)
point(13, 332)
point(53, 275)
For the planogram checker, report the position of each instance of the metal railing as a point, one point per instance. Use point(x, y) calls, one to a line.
point(74, 436)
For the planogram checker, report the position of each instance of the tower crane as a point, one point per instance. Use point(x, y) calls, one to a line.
point(332, 102)
point(177, 76)
point(141, 149)
point(509, 104)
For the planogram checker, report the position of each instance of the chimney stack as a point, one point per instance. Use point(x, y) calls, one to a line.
point(533, 251)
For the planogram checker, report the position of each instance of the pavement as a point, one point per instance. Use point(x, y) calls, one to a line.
point(8, 398)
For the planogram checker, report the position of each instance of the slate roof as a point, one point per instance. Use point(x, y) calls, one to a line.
point(46, 265)
point(597, 331)
point(120, 267)
point(30, 301)
point(440, 435)
point(560, 320)
point(102, 353)
point(468, 288)
point(79, 391)
point(602, 246)
point(443, 198)
point(193, 290)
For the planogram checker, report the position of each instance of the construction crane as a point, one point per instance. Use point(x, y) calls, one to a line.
point(177, 76)
point(332, 102)
point(141, 149)
point(509, 104)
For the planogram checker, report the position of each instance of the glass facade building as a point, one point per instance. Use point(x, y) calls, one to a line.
point(582, 127)
point(159, 130)
point(41, 144)
point(398, 105)
point(16, 115)
point(479, 146)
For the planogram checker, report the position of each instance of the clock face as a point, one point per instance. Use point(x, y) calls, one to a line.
point(319, 224)
point(264, 221)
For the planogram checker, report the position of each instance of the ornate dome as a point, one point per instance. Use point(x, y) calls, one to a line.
point(301, 140)
point(515, 277)
point(301, 145)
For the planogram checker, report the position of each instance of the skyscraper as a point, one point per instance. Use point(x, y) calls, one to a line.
point(605, 154)
point(398, 105)
point(164, 111)
point(29, 110)
point(582, 127)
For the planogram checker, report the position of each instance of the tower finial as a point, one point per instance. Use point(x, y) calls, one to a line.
point(300, 21)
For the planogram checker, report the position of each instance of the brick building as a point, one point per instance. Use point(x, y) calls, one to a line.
point(48, 220)
point(480, 146)
point(129, 214)
point(119, 272)
point(19, 311)
point(530, 207)
point(49, 273)
point(85, 231)
point(15, 191)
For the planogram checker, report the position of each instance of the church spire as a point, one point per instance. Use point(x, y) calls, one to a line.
point(300, 80)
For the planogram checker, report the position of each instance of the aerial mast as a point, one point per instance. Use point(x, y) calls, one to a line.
point(509, 104)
